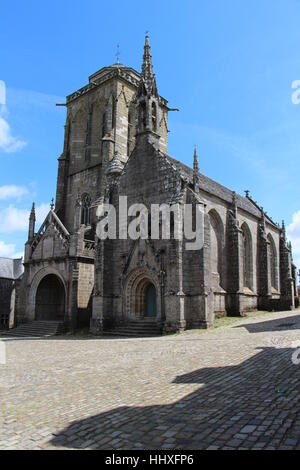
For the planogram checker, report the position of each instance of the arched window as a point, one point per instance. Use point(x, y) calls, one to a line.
point(272, 259)
point(78, 136)
point(103, 132)
point(247, 257)
point(88, 139)
point(216, 245)
point(113, 113)
point(86, 209)
point(129, 131)
point(142, 116)
point(154, 117)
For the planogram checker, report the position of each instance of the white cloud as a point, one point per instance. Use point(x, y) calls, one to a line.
point(8, 142)
point(12, 191)
point(8, 250)
point(25, 99)
point(293, 232)
point(13, 219)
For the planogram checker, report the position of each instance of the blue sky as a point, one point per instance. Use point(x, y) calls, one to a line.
point(227, 65)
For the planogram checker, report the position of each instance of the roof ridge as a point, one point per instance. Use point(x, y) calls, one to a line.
point(215, 188)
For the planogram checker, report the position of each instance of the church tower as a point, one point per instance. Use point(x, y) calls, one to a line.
point(152, 110)
point(104, 119)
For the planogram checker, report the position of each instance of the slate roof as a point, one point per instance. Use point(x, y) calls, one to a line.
point(212, 187)
point(11, 268)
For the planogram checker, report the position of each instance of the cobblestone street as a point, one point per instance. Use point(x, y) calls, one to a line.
point(234, 387)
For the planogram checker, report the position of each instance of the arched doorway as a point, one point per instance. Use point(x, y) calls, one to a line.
point(144, 294)
point(150, 301)
point(50, 299)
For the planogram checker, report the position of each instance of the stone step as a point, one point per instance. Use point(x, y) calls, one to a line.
point(136, 328)
point(131, 334)
point(136, 332)
point(140, 327)
point(36, 329)
point(143, 321)
point(33, 328)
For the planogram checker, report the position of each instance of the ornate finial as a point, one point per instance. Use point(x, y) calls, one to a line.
point(31, 222)
point(118, 54)
point(263, 223)
point(195, 164)
point(32, 213)
point(283, 230)
point(234, 204)
point(52, 204)
point(195, 168)
point(247, 193)
point(147, 67)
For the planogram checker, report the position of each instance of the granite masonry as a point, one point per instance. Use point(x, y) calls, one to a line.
point(116, 144)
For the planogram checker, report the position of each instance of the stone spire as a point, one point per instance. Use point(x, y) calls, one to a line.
point(147, 68)
point(31, 222)
point(195, 168)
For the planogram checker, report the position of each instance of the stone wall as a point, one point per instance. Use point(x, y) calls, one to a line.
point(84, 295)
point(6, 291)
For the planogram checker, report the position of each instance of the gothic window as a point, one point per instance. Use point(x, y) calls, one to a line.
point(216, 245)
point(103, 130)
point(89, 134)
point(272, 262)
point(113, 113)
point(142, 116)
point(246, 256)
point(86, 209)
point(154, 117)
point(129, 132)
point(103, 125)
point(78, 135)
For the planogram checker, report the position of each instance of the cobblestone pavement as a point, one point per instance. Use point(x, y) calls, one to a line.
point(232, 388)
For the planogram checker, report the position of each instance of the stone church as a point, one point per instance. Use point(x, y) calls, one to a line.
point(116, 144)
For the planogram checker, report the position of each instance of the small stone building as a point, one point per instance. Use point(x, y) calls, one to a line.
point(116, 145)
point(11, 271)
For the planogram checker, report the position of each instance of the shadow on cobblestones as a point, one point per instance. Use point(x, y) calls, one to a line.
point(252, 405)
point(272, 325)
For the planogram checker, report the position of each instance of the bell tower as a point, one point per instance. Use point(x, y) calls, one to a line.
point(151, 110)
